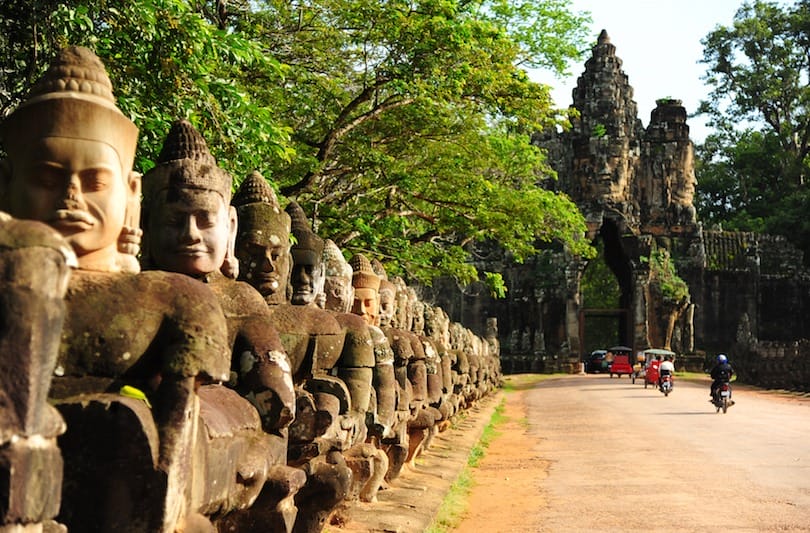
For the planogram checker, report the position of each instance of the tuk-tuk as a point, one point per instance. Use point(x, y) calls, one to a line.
point(650, 365)
point(621, 361)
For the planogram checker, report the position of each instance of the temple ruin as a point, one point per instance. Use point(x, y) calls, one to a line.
point(747, 293)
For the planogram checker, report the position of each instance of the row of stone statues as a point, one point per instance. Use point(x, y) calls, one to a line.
point(178, 358)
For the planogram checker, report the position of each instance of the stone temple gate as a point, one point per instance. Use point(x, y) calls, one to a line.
point(635, 187)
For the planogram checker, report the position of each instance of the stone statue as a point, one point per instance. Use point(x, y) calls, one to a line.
point(338, 288)
point(263, 239)
point(328, 421)
point(393, 390)
point(368, 462)
point(190, 228)
point(35, 263)
point(438, 364)
point(70, 163)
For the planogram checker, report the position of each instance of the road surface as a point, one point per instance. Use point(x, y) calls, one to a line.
point(594, 453)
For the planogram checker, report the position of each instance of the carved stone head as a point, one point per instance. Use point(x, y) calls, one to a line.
point(189, 225)
point(387, 296)
point(307, 275)
point(70, 156)
point(402, 318)
point(388, 303)
point(263, 239)
point(338, 279)
point(366, 289)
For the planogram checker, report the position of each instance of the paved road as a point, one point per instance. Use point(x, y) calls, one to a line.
point(626, 458)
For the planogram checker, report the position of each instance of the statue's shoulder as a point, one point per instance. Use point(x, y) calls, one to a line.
point(313, 320)
point(239, 298)
point(351, 321)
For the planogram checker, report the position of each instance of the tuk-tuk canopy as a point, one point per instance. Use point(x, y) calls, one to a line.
point(659, 351)
point(621, 349)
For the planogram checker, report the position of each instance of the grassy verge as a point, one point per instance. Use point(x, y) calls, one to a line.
point(455, 502)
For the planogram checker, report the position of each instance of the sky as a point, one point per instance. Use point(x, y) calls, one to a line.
point(658, 42)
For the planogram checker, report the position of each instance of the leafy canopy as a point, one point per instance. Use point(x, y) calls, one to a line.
point(752, 173)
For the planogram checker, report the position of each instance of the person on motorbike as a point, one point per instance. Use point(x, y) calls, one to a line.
point(722, 371)
point(667, 368)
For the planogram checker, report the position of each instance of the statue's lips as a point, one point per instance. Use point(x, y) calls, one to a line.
point(72, 218)
point(271, 280)
point(190, 252)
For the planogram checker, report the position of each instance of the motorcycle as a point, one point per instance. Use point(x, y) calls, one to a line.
point(666, 384)
point(722, 397)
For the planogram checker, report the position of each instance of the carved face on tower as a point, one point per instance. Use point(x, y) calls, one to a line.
point(366, 289)
point(263, 239)
point(337, 280)
point(190, 226)
point(70, 158)
point(611, 171)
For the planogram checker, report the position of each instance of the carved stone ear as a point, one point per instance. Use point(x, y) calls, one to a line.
point(129, 240)
point(230, 266)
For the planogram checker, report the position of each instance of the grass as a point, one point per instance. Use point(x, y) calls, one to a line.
point(455, 503)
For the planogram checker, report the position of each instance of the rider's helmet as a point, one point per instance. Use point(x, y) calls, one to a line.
point(722, 358)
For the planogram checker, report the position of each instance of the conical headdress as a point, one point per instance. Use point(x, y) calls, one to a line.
point(186, 163)
point(334, 262)
point(257, 208)
point(73, 99)
point(308, 247)
point(363, 276)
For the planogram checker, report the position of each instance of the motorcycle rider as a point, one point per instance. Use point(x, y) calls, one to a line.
point(722, 371)
point(667, 368)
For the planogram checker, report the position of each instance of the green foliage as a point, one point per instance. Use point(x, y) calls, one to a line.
point(599, 286)
point(740, 181)
point(758, 69)
point(166, 61)
point(599, 130)
point(663, 274)
point(402, 128)
point(752, 173)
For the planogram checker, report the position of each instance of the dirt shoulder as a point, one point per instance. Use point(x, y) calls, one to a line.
point(508, 481)
point(411, 502)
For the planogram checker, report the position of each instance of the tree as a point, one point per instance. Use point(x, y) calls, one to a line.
point(415, 143)
point(740, 181)
point(759, 70)
point(165, 60)
point(401, 127)
point(752, 173)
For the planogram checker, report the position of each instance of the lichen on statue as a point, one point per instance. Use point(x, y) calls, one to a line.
point(70, 156)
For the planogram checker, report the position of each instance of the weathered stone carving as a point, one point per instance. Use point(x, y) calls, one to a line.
point(191, 229)
point(35, 263)
point(70, 164)
point(178, 387)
